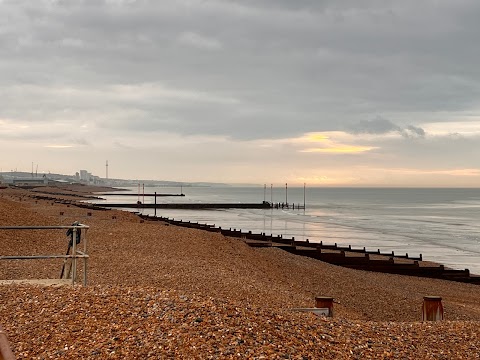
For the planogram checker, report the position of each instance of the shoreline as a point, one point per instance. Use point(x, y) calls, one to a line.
point(199, 280)
point(385, 262)
point(437, 228)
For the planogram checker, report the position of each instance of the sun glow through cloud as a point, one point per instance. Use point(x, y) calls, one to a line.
point(59, 146)
point(335, 142)
point(341, 149)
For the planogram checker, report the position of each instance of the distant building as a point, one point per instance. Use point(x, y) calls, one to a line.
point(30, 181)
point(85, 176)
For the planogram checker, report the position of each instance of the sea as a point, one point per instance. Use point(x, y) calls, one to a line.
point(442, 224)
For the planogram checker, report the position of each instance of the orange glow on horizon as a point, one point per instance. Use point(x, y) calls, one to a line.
point(341, 149)
point(58, 146)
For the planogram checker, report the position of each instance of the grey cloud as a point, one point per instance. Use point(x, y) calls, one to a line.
point(441, 152)
point(375, 126)
point(80, 141)
point(413, 131)
point(380, 126)
point(196, 40)
point(294, 66)
point(121, 145)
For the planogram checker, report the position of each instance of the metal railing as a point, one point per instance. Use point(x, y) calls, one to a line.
point(76, 254)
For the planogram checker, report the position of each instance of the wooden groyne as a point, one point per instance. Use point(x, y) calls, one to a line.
point(68, 194)
point(199, 206)
point(346, 256)
point(139, 195)
point(186, 206)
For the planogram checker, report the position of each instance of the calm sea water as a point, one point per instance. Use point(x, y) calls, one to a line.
point(441, 224)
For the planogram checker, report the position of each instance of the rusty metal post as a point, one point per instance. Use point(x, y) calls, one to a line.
point(85, 259)
point(432, 309)
point(5, 351)
point(325, 302)
point(74, 253)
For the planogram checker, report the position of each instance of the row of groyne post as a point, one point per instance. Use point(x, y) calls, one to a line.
point(286, 206)
point(346, 256)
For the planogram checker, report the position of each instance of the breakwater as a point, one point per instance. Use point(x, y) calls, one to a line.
point(346, 256)
point(191, 206)
point(139, 195)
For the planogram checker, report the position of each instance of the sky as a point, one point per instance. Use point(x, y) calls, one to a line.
point(322, 92)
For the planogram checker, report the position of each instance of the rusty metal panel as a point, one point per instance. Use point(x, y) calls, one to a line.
point(432, 309)
point(325, 302)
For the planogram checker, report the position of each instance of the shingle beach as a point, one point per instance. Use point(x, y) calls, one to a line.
point(157, 291)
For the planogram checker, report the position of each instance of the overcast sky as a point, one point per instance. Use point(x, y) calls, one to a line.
point(327, 92)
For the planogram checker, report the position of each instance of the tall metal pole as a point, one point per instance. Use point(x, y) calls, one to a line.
point(286, 193)
point(155, 211)
point(271, 194)
point(264, 192)
point(304, 196)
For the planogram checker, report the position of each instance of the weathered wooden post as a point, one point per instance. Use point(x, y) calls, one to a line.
point(155, 211)
point(325, 302)
point(432, 309)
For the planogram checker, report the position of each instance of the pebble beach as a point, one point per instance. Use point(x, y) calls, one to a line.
point(157, 291)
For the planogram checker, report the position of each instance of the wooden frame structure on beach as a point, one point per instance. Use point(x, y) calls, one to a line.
point(76, 254)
